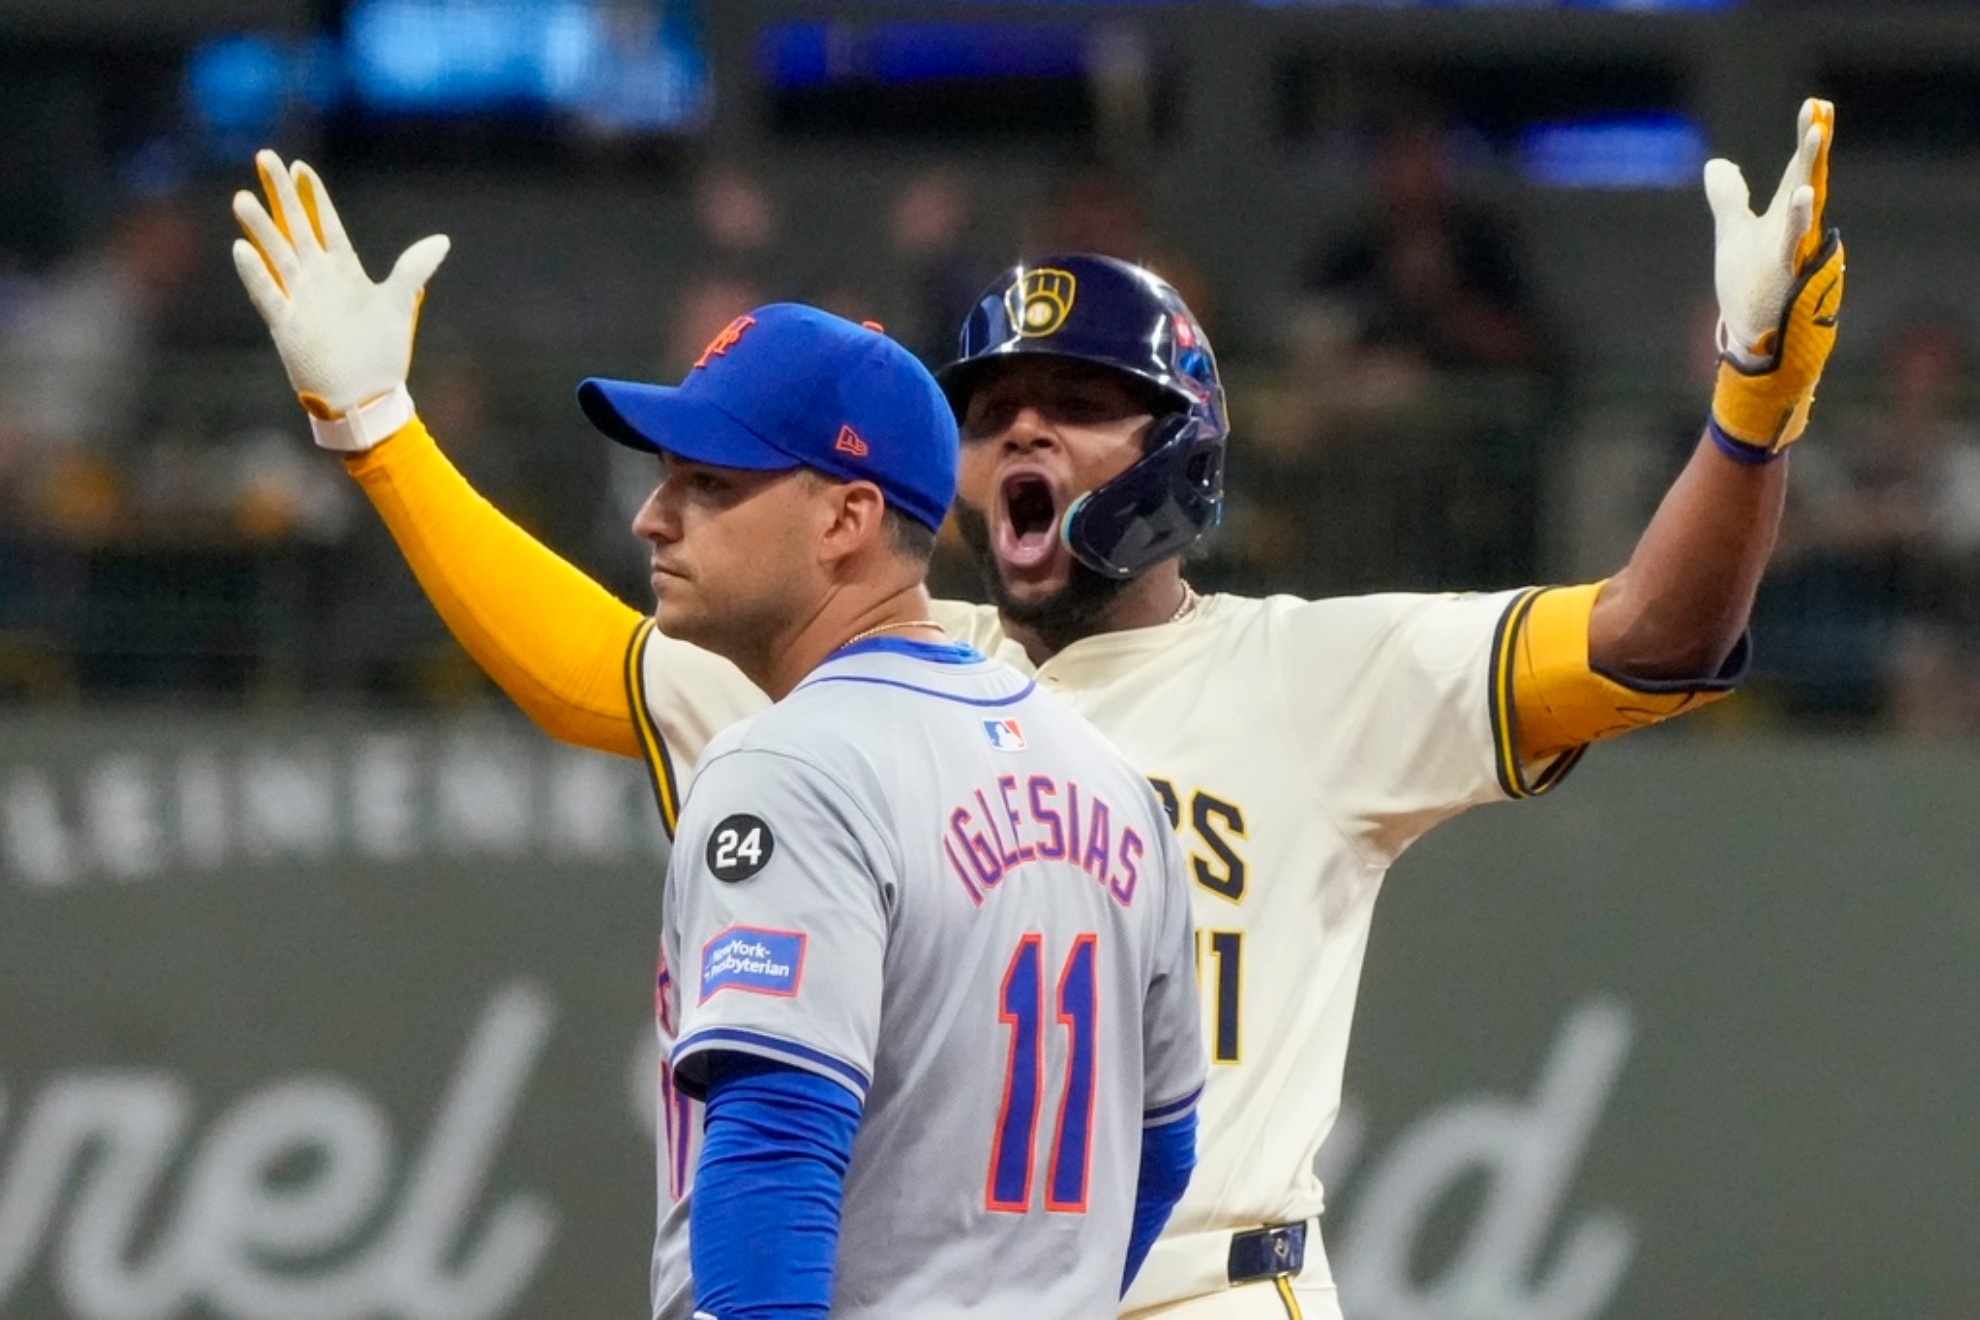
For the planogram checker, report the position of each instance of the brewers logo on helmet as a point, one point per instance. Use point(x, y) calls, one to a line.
point(1127, 319)
point(1039, 303)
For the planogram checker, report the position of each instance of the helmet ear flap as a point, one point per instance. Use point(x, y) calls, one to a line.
point(1157, 508)
point(1201, 472)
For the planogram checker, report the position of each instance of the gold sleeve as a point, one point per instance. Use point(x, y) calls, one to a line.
point(1560, 702)
point(550, 637)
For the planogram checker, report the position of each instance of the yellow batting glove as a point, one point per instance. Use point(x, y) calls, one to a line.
point(1779, 278)
point(345, 341)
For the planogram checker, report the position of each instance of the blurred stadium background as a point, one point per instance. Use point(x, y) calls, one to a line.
point(323, 977)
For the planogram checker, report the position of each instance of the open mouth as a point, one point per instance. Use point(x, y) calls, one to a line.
point(1028, 532)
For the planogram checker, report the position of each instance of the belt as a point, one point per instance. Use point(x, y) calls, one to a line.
point(1181, 1266)
point(1267, 1253)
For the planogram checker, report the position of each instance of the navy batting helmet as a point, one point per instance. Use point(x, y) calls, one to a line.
point(1099, 310)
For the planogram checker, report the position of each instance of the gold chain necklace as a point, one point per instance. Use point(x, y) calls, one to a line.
point(1188, 603)
point(859, 637)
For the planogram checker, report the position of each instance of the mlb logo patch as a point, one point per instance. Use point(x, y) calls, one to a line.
point(1005, 735)
point(762, 962)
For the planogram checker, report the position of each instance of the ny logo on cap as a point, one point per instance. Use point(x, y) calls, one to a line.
point(721, 343)
point(850, 443)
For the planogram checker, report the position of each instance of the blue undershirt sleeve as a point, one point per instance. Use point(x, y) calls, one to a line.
point(763, 1218)
point(1168, 1154)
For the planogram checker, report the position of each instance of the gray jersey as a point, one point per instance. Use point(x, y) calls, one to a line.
point(924, 879)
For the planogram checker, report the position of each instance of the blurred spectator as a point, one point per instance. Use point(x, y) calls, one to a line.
point(929, 223)
point(1624, 447)
point(1432, 280)
point(1396, 443)
point(75, 361)
point(77, 357)
point(735, 216)
point(378, 635)
point(1872, 611)
point(847, 298)
point(1353, 476)
point(1094, 209)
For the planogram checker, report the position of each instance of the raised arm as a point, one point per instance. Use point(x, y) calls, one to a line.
point(554, 640)
point(1664, 635)
point(1679, 607)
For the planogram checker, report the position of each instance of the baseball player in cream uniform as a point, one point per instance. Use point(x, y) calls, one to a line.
point(1299, 746)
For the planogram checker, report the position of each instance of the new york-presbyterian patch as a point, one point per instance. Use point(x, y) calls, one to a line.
point(751, 958)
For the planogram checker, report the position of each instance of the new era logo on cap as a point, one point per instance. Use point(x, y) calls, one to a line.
point(850, 443)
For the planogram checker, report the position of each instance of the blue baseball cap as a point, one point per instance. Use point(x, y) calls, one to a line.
point(790, 386)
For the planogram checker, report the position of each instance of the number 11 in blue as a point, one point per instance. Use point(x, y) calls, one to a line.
point(1021, 1006)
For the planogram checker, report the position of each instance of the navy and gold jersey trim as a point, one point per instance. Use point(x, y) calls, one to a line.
point(1730, 675)
point(1513, 781)
point(652, 747)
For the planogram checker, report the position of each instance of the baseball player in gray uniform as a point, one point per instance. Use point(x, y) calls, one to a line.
point(926, 996)
point(916, 899)
point(958, 918)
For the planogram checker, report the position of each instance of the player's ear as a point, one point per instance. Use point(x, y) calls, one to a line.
point(858, 519)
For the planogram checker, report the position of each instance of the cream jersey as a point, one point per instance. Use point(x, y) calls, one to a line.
point(1299, 747)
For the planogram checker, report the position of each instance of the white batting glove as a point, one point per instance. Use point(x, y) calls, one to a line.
point(345, 341)
point(1779, 281)
point(1754, 260)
